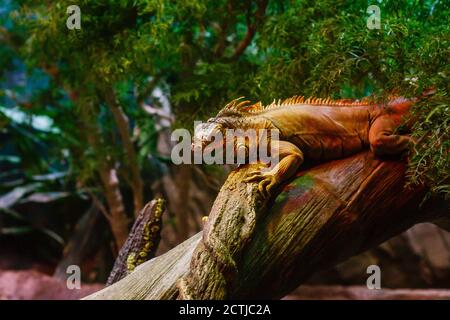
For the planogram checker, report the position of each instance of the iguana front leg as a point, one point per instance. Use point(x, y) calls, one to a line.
point(290, 159)
point(383, 140)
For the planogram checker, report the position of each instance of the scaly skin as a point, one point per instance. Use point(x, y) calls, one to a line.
point(317, 129)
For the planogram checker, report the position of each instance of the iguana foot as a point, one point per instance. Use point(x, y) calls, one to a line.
point(267, 181)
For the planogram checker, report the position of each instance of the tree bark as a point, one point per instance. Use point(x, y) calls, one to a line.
point(142, 242)
point(116, 215)
point(327, 214)
point(131, 161)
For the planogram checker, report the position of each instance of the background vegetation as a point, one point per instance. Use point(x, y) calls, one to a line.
point(73, 119)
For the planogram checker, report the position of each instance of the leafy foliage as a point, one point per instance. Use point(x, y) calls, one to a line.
point(324, 48)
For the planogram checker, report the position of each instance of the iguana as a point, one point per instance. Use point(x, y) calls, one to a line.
point(313, 128)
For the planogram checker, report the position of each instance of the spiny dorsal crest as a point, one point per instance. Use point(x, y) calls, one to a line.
point(238, 107)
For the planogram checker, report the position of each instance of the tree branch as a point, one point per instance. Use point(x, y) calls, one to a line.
point(131, 161)
point(325, 215)
point(222, 32)
point(99, 205)
point(251, 29)
point(117, 216)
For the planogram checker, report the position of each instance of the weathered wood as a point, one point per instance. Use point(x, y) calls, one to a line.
point(230, 226)
point(155, 279)
point(325, 215)
point(142, 242)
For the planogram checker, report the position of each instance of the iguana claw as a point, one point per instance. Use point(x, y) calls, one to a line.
point(266, 180)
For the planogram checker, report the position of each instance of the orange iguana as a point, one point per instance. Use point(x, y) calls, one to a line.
point(317, 129)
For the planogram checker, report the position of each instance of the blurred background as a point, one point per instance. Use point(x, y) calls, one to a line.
point(86, 116)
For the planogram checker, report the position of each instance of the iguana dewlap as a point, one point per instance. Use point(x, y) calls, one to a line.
point(317, 129)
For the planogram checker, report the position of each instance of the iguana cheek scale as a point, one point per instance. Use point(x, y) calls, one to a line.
point(317, 129)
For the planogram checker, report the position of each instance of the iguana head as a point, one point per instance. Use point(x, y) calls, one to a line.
point(206, 134)
point(230, 117)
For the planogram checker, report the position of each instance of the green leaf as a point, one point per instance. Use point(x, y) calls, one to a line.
point(13, 197)
point(16, 230)
point(45, 197)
